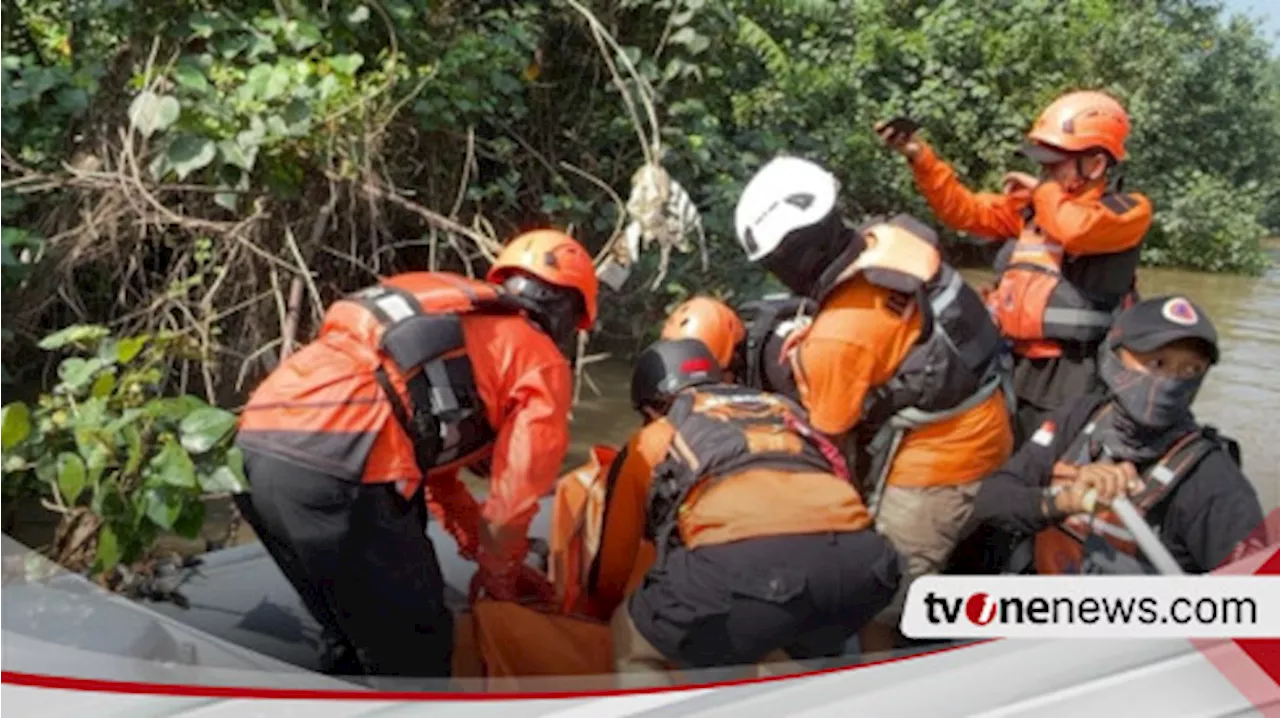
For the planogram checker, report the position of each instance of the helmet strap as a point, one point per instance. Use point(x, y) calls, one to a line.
point(553, 309)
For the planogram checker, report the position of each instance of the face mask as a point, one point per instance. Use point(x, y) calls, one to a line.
point(1150, 401)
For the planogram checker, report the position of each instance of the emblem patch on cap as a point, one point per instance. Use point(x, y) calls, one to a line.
point(1180, 311)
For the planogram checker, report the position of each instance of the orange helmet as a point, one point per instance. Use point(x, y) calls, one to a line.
point(712, 322)
point(555, 258)
point(1078, 122)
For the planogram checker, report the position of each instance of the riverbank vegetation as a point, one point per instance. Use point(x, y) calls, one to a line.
point(220, 172)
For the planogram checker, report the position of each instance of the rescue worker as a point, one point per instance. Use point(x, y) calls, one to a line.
point(750, 352)
point(902, 361)
point(1138, 438)
point(1074, 240)
point(417, 376)
point(762, 541)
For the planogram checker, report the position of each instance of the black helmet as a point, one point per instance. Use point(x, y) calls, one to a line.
point(669, 365)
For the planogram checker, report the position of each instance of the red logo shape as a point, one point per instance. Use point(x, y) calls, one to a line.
point(1179, 311)
point(980, 609)
point(695, 365)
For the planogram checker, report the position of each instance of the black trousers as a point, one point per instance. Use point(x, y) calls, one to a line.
point(359, 557)
point(733, 604)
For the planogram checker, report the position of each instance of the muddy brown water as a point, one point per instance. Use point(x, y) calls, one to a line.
point(1240, 396)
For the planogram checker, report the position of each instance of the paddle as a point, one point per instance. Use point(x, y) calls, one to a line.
point(1150, 544)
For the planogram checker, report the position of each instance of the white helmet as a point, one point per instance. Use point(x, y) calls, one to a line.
point(785, 195)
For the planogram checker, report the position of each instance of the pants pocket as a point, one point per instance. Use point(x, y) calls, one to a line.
point(774, 584)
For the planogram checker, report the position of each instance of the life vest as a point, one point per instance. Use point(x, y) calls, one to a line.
point(721, 431)
point(769, 321)
point(1044, 298)
point(958, 360)
point(1100, 543)
point(414, 320)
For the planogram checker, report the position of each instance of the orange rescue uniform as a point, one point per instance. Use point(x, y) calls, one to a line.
point(1081, 222)
point(856, 343)
point(324, 409)
point(750, 504)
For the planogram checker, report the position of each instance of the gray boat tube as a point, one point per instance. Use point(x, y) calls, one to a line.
point(240, 595)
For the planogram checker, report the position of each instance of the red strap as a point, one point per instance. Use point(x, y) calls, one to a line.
point(829, 450)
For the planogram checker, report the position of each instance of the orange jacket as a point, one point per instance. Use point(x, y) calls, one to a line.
point(750, 504)
point(322, 408)
point(856, 343)
point(1081, 222)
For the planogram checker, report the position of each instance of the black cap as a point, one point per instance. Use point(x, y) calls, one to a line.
point(1043, 154)
point(669, 365)
point(1153, 323)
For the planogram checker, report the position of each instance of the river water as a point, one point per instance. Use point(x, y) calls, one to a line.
point(1240, 396)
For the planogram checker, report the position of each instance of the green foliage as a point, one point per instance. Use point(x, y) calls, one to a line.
point(1208, 224)
point(106, 440)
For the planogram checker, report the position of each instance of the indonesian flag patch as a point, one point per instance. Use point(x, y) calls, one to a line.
point(1044, 435)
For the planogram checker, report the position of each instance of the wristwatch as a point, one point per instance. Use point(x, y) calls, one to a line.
point(1049, 506)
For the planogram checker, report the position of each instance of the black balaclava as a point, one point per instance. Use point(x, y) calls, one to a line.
point(803, 258)
point(1151, 411)
point(556, 310)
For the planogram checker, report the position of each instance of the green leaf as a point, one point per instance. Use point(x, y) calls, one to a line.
point(163, 506)
point(359, 15)
point(233, 154)
point(103, 385)
point(173, 408)
point(189, 154)
point(302, 35)
point(149, 112)
point(202, 24)
point(253, 136)
point(15, 424)
point(128, 348)
point(235, 461)
point(76, 373)
point(80, 334)
point(261, 45)
point(203, 428)
point(191, 521)
point(191, 77)
point(229, 201)
point(71, 476)
point(96, 462)
point(297, 115)
point(277, 83)
point(108, 548)
point(173, 466)
point(127, 417)
point(73, 99)
point(133, 443)
point(13, 462)
point(222, 480)
point(231, 45)
point(346, 64)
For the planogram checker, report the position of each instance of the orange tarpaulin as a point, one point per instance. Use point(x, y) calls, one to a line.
point(503, 641)
point(577, 525)
point(509, 641)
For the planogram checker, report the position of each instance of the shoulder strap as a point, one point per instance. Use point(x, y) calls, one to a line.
point(764, 317)
point(1118, 203)
point(1094, 413)
point(1164, 477)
